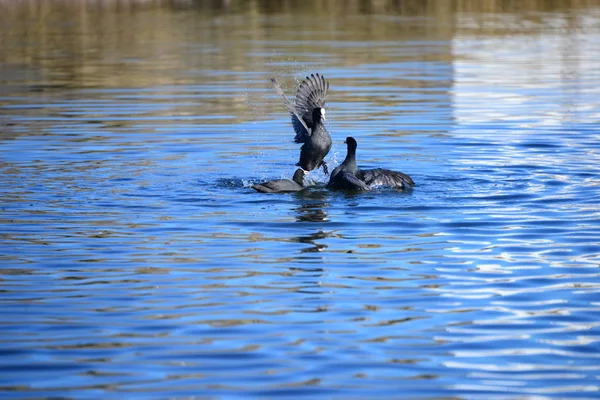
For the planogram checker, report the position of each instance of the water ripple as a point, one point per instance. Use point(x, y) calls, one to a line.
point(138, 262)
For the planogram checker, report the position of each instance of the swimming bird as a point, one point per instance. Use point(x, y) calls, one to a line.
point(347, 175)
point(344, 176)
point(308, 114)
point(283, 185)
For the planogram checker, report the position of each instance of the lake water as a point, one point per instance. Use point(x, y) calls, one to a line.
point(137, 262)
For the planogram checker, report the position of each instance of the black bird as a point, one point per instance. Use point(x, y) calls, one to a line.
point(282, 185)
point(344, 176)
point(308, 114)
point(347, 175)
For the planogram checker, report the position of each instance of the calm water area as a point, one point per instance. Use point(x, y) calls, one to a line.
point(136, 261)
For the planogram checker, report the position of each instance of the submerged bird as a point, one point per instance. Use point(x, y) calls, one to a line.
point(283, 185)
point(347, 175)
point(308, 114)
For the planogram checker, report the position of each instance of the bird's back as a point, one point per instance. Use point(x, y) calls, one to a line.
point(345, 180)
point(385, 177)
point(278, 185)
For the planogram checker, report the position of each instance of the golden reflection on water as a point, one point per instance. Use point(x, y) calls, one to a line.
point(99, 42)
point(120, 44)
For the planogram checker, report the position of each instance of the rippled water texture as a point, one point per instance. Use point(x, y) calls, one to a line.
point(137, 262)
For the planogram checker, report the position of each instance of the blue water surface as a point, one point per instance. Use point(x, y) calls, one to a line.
point(136, 261)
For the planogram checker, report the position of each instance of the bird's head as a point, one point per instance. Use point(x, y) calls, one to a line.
point(318, 115)
point(351, 142)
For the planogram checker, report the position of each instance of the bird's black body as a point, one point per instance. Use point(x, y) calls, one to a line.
point(347, 175)
point(282, 185)
point(343, 177)
point(316, 147)
point(308, 114)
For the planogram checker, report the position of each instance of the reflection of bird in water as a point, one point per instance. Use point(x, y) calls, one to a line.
point(283, 185)
point(312, 207)
point(347, 175)
point(311, 213)
point(311, 239)
point(308, 114)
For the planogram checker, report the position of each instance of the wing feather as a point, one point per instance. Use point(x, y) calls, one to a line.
point(345, 180)
point(386, 177)
point(311, 94)
point(300, 127)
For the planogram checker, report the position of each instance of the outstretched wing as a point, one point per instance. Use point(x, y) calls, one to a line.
point(386, 177)
point(300, 126)
point(302, 130)
point(311, 94)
